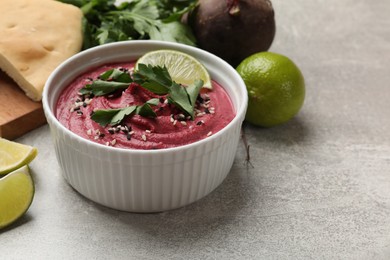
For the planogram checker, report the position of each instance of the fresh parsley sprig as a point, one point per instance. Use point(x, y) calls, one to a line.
point(157, 80)
point(105, 21)
point(153, 78)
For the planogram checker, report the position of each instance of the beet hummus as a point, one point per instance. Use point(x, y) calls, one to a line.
point(170, 128)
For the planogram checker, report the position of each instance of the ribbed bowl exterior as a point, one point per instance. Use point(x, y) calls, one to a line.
point(139, 180)
point(145, 182)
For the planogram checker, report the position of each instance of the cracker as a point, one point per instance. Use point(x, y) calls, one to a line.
point(36, 36)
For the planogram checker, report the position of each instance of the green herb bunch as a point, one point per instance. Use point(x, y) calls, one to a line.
point(105, 21)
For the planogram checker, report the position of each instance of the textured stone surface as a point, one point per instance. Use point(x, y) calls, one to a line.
point(318, 187)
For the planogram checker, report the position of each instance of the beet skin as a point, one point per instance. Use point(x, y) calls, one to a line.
point(233, 29)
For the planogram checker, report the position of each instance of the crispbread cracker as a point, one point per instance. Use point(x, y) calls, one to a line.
point(36, 36)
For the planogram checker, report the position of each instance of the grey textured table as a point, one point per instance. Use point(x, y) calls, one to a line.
point(319, 187)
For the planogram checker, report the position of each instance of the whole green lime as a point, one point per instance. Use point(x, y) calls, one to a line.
point(276, 88)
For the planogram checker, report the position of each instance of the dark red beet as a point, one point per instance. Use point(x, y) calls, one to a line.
point(233, 29)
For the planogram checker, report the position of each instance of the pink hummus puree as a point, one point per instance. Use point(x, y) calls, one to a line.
point(170, 128)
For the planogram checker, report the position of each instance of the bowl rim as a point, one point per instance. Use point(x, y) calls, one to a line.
point(49, 113)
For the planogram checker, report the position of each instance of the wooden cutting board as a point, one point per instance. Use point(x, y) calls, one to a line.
point(18, 113)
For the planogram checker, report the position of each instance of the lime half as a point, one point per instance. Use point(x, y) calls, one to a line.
point(14, 155)
point(183, 68)
point(16, 193)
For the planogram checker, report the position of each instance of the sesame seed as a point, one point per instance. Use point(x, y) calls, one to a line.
point(143, 137)
point(174, 122)
point(148, 131)
point(209, 133)
point(183, 122)
point(96, 137)
point(78, 104)
point(113, 142)
point(199, 114)
point(107, 143)
point(181, 117)
point(89, 132)
point(166, 101)
point(131, 132)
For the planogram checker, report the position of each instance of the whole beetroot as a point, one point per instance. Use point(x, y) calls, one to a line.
point(233, 29)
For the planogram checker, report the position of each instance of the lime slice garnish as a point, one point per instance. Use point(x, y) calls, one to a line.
point(14, 155)
point(183, 68)
point(16, 193)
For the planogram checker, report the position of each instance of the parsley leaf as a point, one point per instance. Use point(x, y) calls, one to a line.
point(115, 116)
point(108, 82)
point(154, 78)
point(146, 110)
point(193, 93)
point(111, 116)
point(173, 32)
point(185, 97)
point(120, 75)
point(101, 87)
point(179, 96)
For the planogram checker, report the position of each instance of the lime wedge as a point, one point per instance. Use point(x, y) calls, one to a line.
point(183, 68)
point(14, 155)
point(16, 193)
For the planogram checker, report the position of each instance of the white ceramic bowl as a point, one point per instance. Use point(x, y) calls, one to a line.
point(144, 180)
